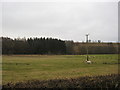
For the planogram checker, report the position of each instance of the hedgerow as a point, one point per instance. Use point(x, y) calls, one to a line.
point(106, 81)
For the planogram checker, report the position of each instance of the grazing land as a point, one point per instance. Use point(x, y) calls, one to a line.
point(20, 68)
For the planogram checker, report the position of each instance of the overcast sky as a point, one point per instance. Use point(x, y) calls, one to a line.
point(63, 20)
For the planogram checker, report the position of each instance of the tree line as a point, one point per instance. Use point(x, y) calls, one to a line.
point(54, 46)
point(93, 48)
point(33, 46)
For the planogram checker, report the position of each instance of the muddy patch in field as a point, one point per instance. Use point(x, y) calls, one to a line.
point(110, 63)
point(15, 64)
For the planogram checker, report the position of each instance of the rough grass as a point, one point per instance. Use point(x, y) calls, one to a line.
point(19, 68)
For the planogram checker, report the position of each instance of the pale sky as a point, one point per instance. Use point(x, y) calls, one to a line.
point(62, 20)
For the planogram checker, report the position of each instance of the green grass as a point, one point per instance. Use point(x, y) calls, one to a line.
point(43, 67)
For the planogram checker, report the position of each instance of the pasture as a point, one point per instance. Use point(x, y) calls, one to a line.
point(17, 68)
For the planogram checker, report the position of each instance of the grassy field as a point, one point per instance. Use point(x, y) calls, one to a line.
point(44, 67)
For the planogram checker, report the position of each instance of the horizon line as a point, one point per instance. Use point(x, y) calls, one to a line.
point(92, 41)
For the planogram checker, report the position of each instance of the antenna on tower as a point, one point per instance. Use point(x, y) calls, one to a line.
point(87, 37)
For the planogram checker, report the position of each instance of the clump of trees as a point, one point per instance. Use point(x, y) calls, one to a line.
point(33, 46)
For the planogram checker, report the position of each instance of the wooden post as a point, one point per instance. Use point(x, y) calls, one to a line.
point(87, 46)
